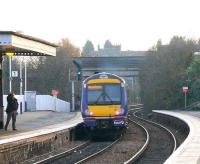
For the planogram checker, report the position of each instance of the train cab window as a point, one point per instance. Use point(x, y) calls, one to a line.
point(104, 94)
point(114, 92)
point(93, 93)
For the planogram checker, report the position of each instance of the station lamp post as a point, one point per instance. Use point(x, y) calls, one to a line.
point(10, 54)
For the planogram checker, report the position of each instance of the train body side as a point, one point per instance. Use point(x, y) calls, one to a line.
point(104, 102)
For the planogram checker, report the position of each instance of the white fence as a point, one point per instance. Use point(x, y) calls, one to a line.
point(43, 102)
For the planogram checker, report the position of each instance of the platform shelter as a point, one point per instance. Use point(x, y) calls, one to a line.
point(19, 44)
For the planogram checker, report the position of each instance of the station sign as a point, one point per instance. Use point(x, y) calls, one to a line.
point(55, 92)
point(185, 89)
point(14, 73)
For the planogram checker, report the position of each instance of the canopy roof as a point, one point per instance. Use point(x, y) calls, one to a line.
point(24, 45)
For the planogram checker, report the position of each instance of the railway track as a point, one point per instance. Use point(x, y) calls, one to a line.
point(122, 149)
point(127, 149)
point(144, 142)
point(162, 142)
point(79, 154)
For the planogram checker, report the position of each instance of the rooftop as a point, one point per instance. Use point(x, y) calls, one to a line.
point(25, 45)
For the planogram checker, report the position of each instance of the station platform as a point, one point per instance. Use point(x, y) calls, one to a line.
point(189, 151)
point(37, 133)
point(34, 122)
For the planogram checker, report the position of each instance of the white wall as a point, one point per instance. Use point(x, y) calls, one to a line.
point(46, 102)
point(43, 102)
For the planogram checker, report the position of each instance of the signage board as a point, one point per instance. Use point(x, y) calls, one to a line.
point(185, 89)
point(55, 92)
point(14, 73)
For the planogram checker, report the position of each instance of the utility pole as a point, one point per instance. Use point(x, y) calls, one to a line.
point(73, 97)
point(185, 100)
point(21, 84)
point(185, 91)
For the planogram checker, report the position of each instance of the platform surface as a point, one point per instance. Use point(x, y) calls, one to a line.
point(31, 124)
point(189, 151)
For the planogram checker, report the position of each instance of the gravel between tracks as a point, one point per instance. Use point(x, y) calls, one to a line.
point(131, 142)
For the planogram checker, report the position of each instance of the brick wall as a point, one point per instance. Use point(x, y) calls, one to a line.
point(19, 151)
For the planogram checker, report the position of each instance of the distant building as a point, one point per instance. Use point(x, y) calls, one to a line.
point(113, 50)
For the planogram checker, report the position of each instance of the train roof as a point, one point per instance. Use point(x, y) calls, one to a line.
point(103, 75)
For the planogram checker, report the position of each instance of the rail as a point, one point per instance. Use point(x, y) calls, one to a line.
point(97, 153)
point(60, 155)
point(141, 151)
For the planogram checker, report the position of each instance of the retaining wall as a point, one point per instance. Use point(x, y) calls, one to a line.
point(19, 151)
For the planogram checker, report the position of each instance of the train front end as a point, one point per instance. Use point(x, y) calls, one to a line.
point(104, 102)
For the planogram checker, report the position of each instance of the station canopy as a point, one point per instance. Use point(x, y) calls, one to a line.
point(24, 45)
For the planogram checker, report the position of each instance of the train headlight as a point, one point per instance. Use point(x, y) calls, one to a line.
point(117, 112)
point(89, 113)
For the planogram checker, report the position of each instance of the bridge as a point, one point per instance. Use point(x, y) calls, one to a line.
point(127, 67)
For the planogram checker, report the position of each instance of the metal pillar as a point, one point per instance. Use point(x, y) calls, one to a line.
point(10, 73)
point(25, 76)
point(185, 100)
point(73, 92)
point(73, 98)
point(1, 95)
point(21, 84)
point(25, 86)
point(132, 92)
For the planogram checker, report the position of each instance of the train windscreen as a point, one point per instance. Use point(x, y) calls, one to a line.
point(104, 94)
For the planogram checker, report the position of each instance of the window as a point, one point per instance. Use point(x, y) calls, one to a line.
point(104, 94)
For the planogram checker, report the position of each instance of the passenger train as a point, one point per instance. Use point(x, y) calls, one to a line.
point(104, 102)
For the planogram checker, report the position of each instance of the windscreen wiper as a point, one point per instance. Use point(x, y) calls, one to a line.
point(98, 98)
point(108, 97)
point(103, 94)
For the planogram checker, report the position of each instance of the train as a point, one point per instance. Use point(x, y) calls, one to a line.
point(104, 102)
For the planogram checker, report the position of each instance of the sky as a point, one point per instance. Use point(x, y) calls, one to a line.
point(135, 24)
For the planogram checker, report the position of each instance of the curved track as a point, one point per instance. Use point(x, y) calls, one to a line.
point(143, 148)
point(99, 152)
point(156, 146)
point(129, 147)
point(162, 142)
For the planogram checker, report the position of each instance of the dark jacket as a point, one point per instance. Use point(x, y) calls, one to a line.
point(12, 104)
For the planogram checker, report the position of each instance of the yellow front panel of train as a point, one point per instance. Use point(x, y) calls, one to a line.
point(104, 110)
point(103, 81)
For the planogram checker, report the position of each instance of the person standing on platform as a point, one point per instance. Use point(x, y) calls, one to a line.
point(11, 110)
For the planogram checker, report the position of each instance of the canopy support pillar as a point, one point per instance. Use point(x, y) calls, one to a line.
point(1, 95)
